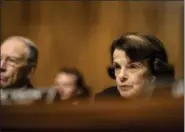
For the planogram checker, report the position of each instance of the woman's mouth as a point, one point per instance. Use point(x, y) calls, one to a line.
point(125, 87)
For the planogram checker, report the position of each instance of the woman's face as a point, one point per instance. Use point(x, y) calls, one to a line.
point(66, 85)
point(131, 77)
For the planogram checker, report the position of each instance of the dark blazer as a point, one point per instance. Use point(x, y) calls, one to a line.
point(108, 93)
point(29, 85)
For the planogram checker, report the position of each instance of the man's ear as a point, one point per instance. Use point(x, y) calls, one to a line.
point(31, 70)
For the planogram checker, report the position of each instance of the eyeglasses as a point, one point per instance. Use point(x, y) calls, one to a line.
point(13, 61)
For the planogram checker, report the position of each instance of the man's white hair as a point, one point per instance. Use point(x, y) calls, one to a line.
point(33, 51)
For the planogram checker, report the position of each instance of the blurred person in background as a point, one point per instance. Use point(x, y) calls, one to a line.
point(178, 88)
point(140, 67)
point(19, 57)
point(70, 87)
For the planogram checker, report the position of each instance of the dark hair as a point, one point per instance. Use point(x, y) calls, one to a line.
point(33, 55)
point(84, 90)
point(144, 47)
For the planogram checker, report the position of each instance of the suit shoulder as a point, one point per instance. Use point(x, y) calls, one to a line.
point(111, 91)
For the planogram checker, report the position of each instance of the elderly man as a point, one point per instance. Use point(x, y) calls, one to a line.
point(18, 61)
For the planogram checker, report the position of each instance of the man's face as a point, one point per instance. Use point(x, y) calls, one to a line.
point(66, 85)
point(14, 54)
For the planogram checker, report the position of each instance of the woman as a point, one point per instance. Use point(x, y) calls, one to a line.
point(139, 65)
point(70, 87)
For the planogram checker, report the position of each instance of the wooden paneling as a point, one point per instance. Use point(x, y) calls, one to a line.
point(79, 33)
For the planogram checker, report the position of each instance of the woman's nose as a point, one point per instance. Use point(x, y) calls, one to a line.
point(123, 75)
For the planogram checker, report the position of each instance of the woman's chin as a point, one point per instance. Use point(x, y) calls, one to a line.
point(127, 94)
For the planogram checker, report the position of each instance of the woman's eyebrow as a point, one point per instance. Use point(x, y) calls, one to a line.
point(137, 63)
point(131, 61)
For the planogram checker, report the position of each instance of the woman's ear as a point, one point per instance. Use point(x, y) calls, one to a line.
point(110, 71)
